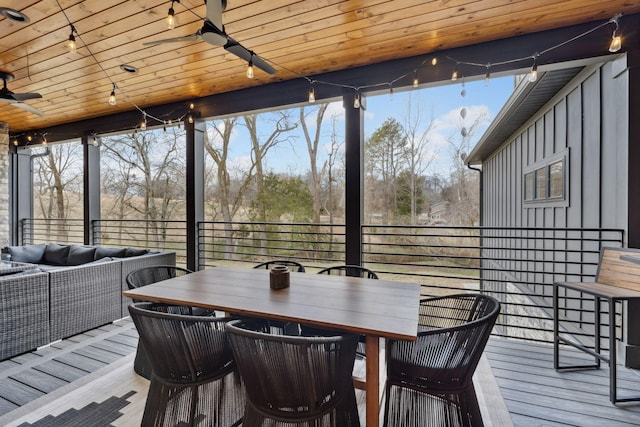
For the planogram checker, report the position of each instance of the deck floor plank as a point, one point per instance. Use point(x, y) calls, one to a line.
point(17, 392)
point(8, 364)
point(538, 395)
point(99, 354)
point(115, 347)
point(124, 339)
point(39, 380)
point(80, 361)
point(61, 370)
point(27, 358)
point(6, 406)
point(526, 383)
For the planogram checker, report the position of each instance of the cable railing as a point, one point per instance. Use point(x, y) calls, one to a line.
point(39, 230)
point(516, 265)
point(314, 245)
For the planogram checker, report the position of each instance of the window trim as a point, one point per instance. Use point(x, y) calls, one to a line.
point(546, 164)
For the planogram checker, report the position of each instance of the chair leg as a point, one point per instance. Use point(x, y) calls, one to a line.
point(471, 408)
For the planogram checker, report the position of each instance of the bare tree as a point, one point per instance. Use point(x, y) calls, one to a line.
point(58, 169)
point(329, 203)
point(416, 152)
point(280, 125)
point(313, 142)
point(385, 156)
point(217, 144)
point(462, 193)
point(149, 166)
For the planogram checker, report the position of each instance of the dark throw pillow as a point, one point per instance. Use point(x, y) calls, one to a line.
point(79, 255)
point(29, 253)
point(129, 252)
point(102, 252)
point(55, 254)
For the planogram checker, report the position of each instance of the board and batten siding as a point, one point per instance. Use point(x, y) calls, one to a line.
point(584, 124)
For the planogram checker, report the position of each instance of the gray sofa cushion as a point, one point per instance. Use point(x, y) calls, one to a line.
point(102, 252)
point(55, 254)
point(32, 254)
point(80, 255)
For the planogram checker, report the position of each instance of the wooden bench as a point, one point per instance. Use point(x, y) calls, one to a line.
point(617, 279)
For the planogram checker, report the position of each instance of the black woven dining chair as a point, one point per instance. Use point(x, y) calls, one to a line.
point(295, 380)
point(290, 328)
point(353, 271)
point(349, 270)
point(194, 378)
point(146, 276)
point(293, 265)
point(429, 381)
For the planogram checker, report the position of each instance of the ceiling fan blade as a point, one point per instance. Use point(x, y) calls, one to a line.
point(24, 96)
point(214, 12)
point(193, 37)
point(243, 53)
point(23, 106)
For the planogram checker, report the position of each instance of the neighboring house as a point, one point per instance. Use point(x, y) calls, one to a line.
point(557, 156)
point(438, 214)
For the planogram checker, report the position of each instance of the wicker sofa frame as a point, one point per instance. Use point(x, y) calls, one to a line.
point(39, 308)
point(24, 313)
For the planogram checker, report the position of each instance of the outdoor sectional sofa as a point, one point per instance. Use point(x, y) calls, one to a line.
point(69, 290)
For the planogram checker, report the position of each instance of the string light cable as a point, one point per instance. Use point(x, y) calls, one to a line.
point(616, 45)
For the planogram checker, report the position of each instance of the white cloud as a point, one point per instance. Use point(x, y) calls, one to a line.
point(452, 120)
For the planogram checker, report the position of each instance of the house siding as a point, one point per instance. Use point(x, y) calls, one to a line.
point(585, 123)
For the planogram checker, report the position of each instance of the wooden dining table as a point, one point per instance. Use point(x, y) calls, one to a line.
point(374, 308)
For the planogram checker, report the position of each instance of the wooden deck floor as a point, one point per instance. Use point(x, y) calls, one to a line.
point(95, 369)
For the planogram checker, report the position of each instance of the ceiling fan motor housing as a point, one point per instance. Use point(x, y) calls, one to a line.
point(213, 35)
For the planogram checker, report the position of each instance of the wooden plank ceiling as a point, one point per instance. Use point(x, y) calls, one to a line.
point(298, 37)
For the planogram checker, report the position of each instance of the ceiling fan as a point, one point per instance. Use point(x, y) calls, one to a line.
point(213, 32)
point(16, 98)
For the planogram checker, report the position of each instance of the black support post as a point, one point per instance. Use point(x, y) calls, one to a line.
point(354, 178)
point(91, 189)
point(633, 62)
point(631, 347)
point(21, 185)
point(195, 188)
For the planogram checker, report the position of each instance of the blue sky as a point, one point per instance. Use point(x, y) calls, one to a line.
point(439, 106)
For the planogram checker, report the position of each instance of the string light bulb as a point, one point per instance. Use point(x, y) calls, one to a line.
point(415, 78)
point(15, 142)
point(143, 123)
point(356, 101)
point(94, 140)
point(533, 75)
point(171, 16)
point(71, 42)
point(487, 76)
point(616, 40)
point(112, 97)
point(434, 61)
point(190, 118)
point(44, 139)
point(312, 95)
point(250, 67)
point(454, 75)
